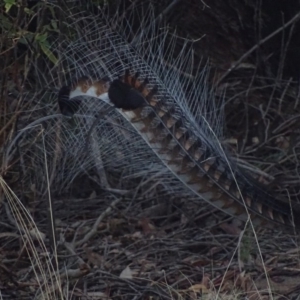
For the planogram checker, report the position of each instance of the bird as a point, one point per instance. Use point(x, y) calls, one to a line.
point(199, 166)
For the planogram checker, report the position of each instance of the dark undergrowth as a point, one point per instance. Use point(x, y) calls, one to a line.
point(150, 243)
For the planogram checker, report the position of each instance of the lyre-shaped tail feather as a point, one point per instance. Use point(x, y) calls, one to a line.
point(174, 114)
point(164, 126)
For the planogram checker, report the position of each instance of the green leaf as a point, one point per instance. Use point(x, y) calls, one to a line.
point(54, 24)
point(24, 38)
point(28, 11)
point(49, 53)
point(41, 38)
point(9, 4)
point(6, 23)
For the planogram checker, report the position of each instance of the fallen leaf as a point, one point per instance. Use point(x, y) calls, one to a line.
point(37, 235)
point(199, 288)
point(126, 273)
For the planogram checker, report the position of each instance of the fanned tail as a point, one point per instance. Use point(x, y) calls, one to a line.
point(163, 122)
point(165, 128)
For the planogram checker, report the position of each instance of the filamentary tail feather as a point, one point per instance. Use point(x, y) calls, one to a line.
point(198, 166)
point(163, 121)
